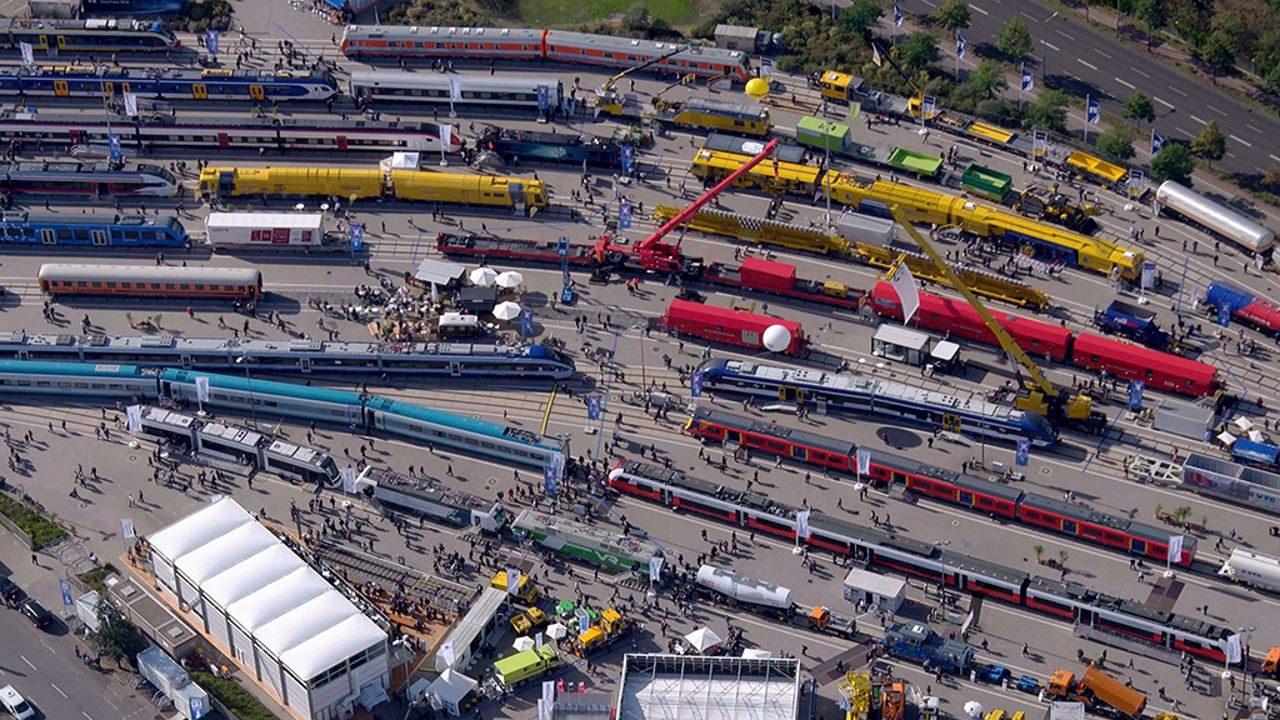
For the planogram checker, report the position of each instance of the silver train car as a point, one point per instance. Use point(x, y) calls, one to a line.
point(520, 91)
point(1215, 217)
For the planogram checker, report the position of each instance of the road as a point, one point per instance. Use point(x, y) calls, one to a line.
point(1080, 59)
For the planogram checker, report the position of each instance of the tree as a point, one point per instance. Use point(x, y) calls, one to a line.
point(1138, 108)
point(1153, 14)
point(1174, 163)
point(918, 51)
point(1210, 144)
point(116, 637)
point(1219, 56)
point(1159, 510)
point(1039, 550)
point(988, 79)
point(1014, 39)
point(1062, 558)
point(953, 16)
point(1117, 142)
point(636, 17)
point(861, 16)
point(1048, 111)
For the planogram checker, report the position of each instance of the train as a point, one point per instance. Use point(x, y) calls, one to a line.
point(1158, 370)
point(973, 416)
point(732, 327)
point(590, 544)
point(1240, 483)
point(50, 230)
point(463, 360)
point(699, 113)
point(95, 180)
point(516, 193)
point(358, 412)
point(242, 446)
point(145, 281)
point(1253, 569)
point(521, 146)
point(836, 138)
point(98, 82)
point(87, 35)
point(1215, 217)
point(1243, 306)
point(143, 133)
point(989, 498)
point(431, 499)
point(886, 551)
point(530, 44)
point(530, 93)
point(1259, 454)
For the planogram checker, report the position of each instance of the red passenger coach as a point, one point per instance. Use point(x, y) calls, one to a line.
point(732, 327)
point(1159, 370)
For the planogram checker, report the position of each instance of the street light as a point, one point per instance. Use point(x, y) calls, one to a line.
point(1044, 52)
point(644, 382)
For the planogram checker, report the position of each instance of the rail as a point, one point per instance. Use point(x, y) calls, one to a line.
point(445, 596)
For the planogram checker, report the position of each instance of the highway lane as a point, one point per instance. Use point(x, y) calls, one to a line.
point(1078, 55)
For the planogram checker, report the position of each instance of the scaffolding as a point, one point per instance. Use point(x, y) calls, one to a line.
point(677, 687)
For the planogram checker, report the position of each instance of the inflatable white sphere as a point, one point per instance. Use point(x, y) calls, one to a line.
point(776, 338)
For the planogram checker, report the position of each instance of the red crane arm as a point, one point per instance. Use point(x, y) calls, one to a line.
point(707, 197)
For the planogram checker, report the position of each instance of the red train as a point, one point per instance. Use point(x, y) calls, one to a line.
point(1159, 370)
point(780, 279)
point(732, 327)
point(972, 493)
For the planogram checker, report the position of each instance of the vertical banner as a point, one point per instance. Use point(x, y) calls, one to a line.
point(130, 104)
point(549, 481)
point(526, 322)
point(1224, 315)
point(455, 89)
point(1148, 275)
point(863, 457)
point(357, 236)
point(134, 413)
point(1136, 388)
point(65, 586)
point(802, 524)
point(114, 151)
point(446, 135)
point(537, 641)
point(624, 215)
point(584, 623)
point(28, 53)
point(513, 581)
point(1234, 648)
point(446, 653)
point(927, 106)
point(349, 480)
point(695, 385)
point(628, 159)
point(897, 16)
point(202, 388)
point(593, 407)
point(127, 529)
point(1157, 142)
point(1028, 81)
point(1137, 182)
point(655, 568)
point(1023, 453)
point(544, 98)
point(1039, 143)
point(961, 46)
point(198, 708)
point(1175, 549)
point(1092, 111)
point(904, 283)
point(211, 41)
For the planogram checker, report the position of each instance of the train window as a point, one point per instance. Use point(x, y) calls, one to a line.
point(337, 413)
point(111, 286)
point(97, 285)
point(1070, 526)
point(82, 284)
point(199, 286)
point(1140, 546)
point(170, 286)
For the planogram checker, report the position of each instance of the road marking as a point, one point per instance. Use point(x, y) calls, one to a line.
point(1163, 102)
point(1254, 129)
point(1141, 73)
point(1184, 132)
point(1087, 64)
point(1055, 47)
point(1216, 110)
point(1273, 157)
point(1102, 53)
point(1245, 143)
point(87, 715)
point(1193, 117)
point(28, 662)
point(1126, 83)
point(55, 687)
point(930, 3)
point(1029, 17)
point(1177, 91)
point(1065, 35)
point(975, 7)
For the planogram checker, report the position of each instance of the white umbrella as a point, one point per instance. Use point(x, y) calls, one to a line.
point(482, 276)
point(523, 643)
point(510, 279)
point(507, 310)
point(557, 631)
point(973, 709)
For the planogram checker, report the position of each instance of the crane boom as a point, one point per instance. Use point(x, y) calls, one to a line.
point(607, 86)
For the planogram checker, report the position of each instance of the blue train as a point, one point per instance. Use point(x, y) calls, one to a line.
point(45, 229)
point(972, 416)
point(86, 81)
point(357, 411)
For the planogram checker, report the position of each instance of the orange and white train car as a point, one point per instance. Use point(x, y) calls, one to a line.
point(147, 281)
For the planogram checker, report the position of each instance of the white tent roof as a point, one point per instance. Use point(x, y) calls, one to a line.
point(287, 631)
point(451, 686)
point(288, 592)
point(196, 530)
point(756, 653)
point(224, 552)
point(333, 645)
point(702, 638)
point(252, 575)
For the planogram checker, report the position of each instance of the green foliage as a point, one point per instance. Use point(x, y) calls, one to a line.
point(999, 111)
point(1210, 144)
point(42, 530)
point(813, 41)
point(233, 697)
point(116, 637)
point(1218, 55)
point(1173, 163)
point(441, 12)
point(94, 577)
point(988, 79)
point(1117, 143)
point(1151, 13)
point(636, 18)
point(861, 16)
point(1014, 39)
point(1048, 111)
point(201, 15)
point(918, 51)
point(1139, 108)
point(953, 16)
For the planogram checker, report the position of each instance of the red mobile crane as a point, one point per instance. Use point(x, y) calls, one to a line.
point(652, 254)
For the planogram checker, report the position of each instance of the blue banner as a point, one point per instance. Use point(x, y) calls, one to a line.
point(549, 482)
point(211, 41)
point(562, 247)
point(628, 158)
point(1224, 315)
point(66, 593)
point(624, 216)
point(584, 622)
point(544, 98)
point(1028, 81)
point(897, 15)
point(1136, 387)
point(114, 149)
point(526, 321)
point(593, 407)
point(1157, 142)
point(198, 709)
point(961, 46)
point(357, 236)
point(1024, 452)
point(695, 385)
point(1092, 111)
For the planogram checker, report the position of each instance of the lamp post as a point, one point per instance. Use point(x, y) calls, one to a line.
point(644, 381)
point(1044, 50)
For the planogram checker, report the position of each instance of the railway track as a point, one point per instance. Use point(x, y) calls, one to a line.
point(359, 567)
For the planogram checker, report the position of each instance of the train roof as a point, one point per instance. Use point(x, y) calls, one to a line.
point(1216, 216)
point(737, 111)
point(79, 169)
point(40, 367)
point(751, 147)
point(645, 48)
point(436, 81)
point(1071, 590)
point(265, 387)
point(822, 442)
point(92, 25)
point(107, 72)
point(439, 33)
point(23, 217)
point(428, 490)
point(984, 486)
point(675, 478)
point(603, 538)
point(148, 273)
point(995, 571)
point(467, 424)
point(499, 134)
point(1199, 628)
point(13, 117)
point(1131, 355)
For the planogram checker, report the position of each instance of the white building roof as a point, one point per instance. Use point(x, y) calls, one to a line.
point(266, 589)
point(672, 687)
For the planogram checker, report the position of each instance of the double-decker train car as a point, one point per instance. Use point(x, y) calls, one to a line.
point(88, 81)
point(519, 92)
point(608, 51)
point(841, 393)
point(219, 133)
point(145, 281)
point(972, 493)
point(49, 230)
point(1158, 370)
point(96, 180)
point(87, 35)
point(885, 550)
point(733, 327)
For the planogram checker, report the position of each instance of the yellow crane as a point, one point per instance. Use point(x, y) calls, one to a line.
point(1039, 395)
point(610, 99)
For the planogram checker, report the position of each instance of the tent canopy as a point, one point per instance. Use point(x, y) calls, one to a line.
point(438, 272)
point(702, 639)
point(451, 687)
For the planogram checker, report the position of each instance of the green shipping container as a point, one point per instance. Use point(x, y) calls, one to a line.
point(822, 134)
point(913, 162)
point(985, 182)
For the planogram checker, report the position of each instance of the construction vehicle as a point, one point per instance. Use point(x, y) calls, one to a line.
point(919, 643)
point(527, 620)
point(1271, 663)
point(893, 699)
point(611, 627)
point(1100, 692)
point(1002, 715)
point(608, 95)
point(1038, 394)
point(835, 86)
point(1057, 209)
point(855, 689)
point(1132, 321)
point(525, 666)
point(526, 591)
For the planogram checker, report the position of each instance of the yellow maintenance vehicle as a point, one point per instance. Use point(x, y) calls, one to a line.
point(1057, 209)
point(526, 590)
point(528, 619)
point(1038, 394)
point(611, 627)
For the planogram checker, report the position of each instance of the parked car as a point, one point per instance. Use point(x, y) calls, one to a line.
point(15, 704)
point(37, 613)
point(9, 591)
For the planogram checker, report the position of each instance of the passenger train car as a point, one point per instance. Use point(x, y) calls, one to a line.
point(220, 133)
point(1215, 217)
point(97, 180)
point(145, 281)
point(87, 81)
point(78, 382)
point(972, 416)
point(608, 51)
point(972, 493)
point(885, 550)
point(46, 230)
point(87, 35)
point(519, 92)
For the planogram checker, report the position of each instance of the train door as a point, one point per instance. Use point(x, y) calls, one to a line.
point(342, 142)
point(77, 137)
point(108, 89)
point(224, 141)
point(60, 88)
point(44, 42)
point(99, 237)
point(256, 92)
point(48, 236)
point(951, 423)
point(965, 498)
point(305, 364)
point(199, 91)
point(791, 394)
point(455, 368)
point(62, 42)
point(187, 363)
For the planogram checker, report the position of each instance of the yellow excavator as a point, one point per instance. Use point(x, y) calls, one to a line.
point(610, 99)
point(1038, 394)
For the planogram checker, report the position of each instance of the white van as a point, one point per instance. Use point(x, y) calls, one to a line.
point(17, 705)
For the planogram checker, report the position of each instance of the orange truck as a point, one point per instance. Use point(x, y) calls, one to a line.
point(1097, 689)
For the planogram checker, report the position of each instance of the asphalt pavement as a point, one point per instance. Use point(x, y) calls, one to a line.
point(1080, 59)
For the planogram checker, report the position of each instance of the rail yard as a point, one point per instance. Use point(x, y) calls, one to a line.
point(547, 348)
